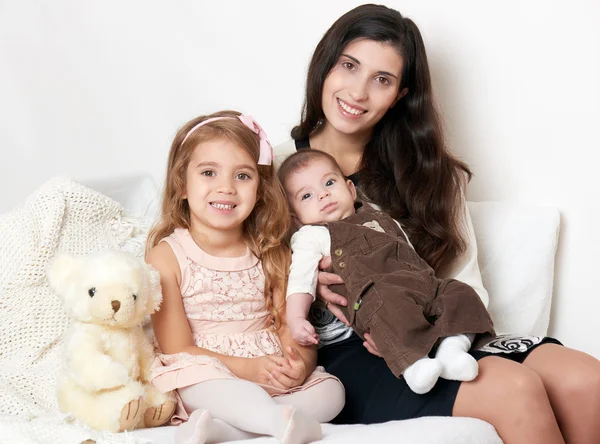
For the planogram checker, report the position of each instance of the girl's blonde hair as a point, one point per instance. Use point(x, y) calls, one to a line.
point(266, 227)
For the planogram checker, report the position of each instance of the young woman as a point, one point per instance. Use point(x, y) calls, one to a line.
point(369, 104)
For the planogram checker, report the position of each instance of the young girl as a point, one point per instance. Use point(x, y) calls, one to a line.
point(218, 247)
point(369, 103)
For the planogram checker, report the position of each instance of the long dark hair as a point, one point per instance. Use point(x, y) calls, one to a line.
point(406, 168)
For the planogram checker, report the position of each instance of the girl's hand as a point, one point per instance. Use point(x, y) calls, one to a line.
point(332, 300)
point(292, 375)
point(370, 345)
point(258, 370)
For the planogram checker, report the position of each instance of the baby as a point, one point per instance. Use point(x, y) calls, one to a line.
point(392, 293)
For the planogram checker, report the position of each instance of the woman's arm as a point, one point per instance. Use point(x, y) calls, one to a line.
point(465, 268)
point(173, 331)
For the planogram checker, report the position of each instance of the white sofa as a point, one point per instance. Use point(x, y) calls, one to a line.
point(517, 245)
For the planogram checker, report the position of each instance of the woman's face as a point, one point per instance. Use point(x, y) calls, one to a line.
point(362, 85)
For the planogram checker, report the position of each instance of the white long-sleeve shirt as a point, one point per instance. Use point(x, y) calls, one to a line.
point(309, 245)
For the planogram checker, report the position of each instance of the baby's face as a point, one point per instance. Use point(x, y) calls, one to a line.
point(319, 193)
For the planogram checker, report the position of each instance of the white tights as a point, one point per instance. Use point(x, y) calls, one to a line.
point(233, 409)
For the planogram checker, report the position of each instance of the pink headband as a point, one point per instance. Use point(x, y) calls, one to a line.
point(266, 150)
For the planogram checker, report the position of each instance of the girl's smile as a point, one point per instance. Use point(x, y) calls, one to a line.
point(221, 187)
point(223, 206)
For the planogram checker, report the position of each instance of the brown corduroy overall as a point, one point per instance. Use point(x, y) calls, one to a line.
point(394, 294)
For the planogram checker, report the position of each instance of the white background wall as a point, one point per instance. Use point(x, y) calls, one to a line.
point(89, 89)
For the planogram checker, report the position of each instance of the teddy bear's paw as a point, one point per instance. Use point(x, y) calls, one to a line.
point(130, 415)
point(110, 374)
point(159, 415)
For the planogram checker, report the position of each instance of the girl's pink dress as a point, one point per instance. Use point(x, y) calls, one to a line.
point(224, 302)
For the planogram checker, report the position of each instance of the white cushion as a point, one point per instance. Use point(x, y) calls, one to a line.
point(517, 244)
point(137, 193)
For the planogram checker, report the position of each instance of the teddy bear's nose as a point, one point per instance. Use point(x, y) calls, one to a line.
point(115, 305)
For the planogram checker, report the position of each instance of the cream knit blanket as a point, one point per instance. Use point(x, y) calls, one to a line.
point(60, 216)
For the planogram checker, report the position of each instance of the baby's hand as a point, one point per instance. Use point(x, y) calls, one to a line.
point(303, 332)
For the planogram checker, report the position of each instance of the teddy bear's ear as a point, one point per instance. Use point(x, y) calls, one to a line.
point(58, 270)
point(153, 288)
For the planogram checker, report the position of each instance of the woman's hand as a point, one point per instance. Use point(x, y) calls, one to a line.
point(332, 300)
point(291, 375)
point(370, 345)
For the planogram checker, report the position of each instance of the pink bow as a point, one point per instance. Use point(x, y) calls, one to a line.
point(265, 156)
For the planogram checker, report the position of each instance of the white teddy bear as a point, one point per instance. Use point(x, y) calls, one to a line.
point(105, 377)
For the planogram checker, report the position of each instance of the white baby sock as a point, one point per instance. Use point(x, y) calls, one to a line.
point(422, 375)
point(457, 363)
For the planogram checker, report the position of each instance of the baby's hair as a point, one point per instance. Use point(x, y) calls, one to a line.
point(265, 229)
point(302, 159)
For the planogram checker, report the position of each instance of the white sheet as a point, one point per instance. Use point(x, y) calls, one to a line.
point(432, 430)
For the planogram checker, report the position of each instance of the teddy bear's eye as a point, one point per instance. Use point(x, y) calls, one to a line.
point(92, 292)
point(134, 297)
